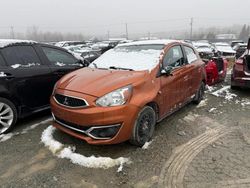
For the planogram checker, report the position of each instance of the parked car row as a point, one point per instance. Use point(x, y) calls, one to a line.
point(119, 97)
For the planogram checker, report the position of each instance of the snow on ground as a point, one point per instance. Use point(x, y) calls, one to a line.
point(245, 103)
point(5, 137)
point(2, 74)
point(62, 151)
point(36, 125)
point(211, 88)
point(224, 92)
point(146, 145)
point(202, 103)
point(190, 117)
point(212, 109)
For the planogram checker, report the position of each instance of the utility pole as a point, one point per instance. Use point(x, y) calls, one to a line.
point(191, 28)
point(126, 25)
point(12, 33)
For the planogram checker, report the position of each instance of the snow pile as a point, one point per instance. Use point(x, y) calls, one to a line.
point(25, 66)
point(69, 153)
point(146, 145)
point(136, 60)
point(48, 140)
point(224, 92)
point(2, 74)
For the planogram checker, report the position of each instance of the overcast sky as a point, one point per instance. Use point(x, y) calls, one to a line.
point(97, 17)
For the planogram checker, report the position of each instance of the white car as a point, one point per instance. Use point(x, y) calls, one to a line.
point(225, 50)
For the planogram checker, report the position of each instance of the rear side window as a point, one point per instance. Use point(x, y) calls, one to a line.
point(59, 57)
point(21, 56)
point(191, 56)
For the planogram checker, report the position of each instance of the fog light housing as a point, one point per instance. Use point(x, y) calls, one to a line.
point(105, 132)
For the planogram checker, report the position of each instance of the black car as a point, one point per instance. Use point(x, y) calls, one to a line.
point(28, 72)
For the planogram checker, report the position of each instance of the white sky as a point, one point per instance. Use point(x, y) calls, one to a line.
point(97, 17)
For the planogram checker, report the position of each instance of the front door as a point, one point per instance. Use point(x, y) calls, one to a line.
point(172, 85)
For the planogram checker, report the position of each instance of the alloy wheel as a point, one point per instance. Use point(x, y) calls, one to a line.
point(6, 117)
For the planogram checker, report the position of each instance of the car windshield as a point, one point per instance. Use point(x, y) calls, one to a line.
point(130, 57)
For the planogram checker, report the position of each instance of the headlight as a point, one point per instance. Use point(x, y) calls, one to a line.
point(115, 98)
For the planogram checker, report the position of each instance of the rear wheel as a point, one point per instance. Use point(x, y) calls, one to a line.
point(235, 87)
point(199, 94)
point(144, 127)
point(8, 115)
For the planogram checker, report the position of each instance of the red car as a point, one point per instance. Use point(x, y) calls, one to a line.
point(216, 68)
point(241, 71)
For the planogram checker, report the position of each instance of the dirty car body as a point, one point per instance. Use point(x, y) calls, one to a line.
point(123, 93)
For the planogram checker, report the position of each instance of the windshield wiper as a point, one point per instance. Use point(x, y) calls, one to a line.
point(120, 68)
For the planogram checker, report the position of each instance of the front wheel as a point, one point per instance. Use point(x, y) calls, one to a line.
point(8, 115)
point(144, 126)
point(199, 94)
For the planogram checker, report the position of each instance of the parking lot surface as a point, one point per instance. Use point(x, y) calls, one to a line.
point(199, 146)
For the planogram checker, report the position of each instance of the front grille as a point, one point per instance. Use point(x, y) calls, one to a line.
point(69, 101)
point(69, 124)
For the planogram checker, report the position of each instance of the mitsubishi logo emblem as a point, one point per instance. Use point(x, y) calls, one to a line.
point(65, 102)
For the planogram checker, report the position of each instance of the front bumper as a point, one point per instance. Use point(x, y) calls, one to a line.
point(94, 117)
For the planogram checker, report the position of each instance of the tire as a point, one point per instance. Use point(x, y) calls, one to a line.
point(235, 87)
point(8, 115)
point(199, 94)
point(144, 127)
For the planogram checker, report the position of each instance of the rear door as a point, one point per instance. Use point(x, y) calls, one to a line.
point(60, 61)
point(27, 76)
point(193, 71)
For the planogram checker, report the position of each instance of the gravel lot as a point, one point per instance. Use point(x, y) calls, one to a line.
point(199, 146)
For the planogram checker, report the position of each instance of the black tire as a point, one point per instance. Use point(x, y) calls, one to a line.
point(235, 87)
point(144, 126)
point(199, 94)
point(4, 113)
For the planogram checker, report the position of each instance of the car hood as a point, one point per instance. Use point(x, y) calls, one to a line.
point(98, 82)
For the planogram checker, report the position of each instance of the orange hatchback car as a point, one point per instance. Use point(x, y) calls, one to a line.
point(125, 92)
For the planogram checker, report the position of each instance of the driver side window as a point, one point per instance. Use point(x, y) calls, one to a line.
point(174, 57)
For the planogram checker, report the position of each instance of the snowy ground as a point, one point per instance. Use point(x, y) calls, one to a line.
point(199, 146)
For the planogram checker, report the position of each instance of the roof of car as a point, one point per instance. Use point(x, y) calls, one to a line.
point(152, 42)
point(9, 42)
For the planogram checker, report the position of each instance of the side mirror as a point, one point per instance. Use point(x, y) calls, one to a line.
point(167, 71)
